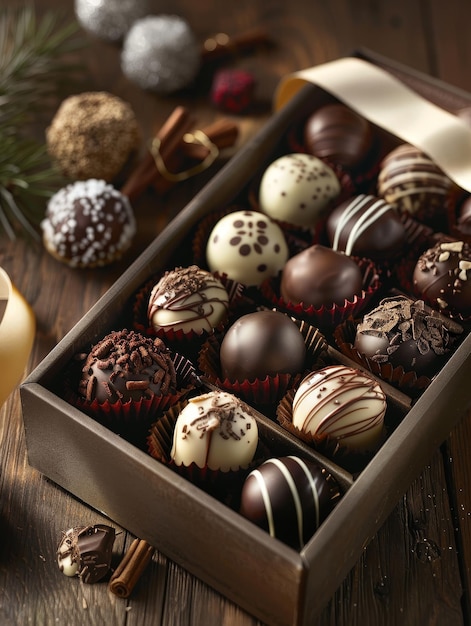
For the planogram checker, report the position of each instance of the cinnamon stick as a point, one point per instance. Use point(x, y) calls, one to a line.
point(222, 45)
point(174, 150)
point(170, 135)
point(133, 564)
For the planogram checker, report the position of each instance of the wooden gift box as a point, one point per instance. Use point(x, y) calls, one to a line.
point(272, 581)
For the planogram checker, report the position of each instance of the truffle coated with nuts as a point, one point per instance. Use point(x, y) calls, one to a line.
point(93, 135)
point(442, 277)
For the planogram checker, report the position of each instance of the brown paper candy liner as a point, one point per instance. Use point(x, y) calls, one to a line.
point(265, 391)
point(332, 314)
point(141, 324)
point(361, 177)
point(132, 419)
point(350, 460)
point(225, 485)
point(406, 381)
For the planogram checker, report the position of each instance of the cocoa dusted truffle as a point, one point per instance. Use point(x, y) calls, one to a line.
point(92, 135)
point(442, 277)
point(260, 344)
point(341, 404)
point(88, 224)
point(405, 333)
point(247, 246)
point(289, 497)
point(126, 365)
point(366, 226)
point(298, 189)
point(338, 134)
point(215, 430)
point(319, 276)
point(412, 182)
point(188, 299)
point(86, 551)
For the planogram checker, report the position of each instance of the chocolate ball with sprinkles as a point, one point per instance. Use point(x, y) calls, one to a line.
point(127, 366)
point(88, 224)
point(442, 277)
point(288, 497)
point(298, 189)
point(247, 246)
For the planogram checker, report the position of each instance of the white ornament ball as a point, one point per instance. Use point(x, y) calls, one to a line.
point(110, 19)
point(161, 54)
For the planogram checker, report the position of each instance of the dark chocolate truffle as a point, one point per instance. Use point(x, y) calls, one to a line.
point(404, 333)
point(260, 344)
point(125, 366)
point(86, 552)
point(336, 133)
point(320, 276)
point(289, 497)
point(442, 277)
point(366, 226)
point(412, 182)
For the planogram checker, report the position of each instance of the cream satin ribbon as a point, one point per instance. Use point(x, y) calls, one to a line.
point(17, 329)
point(387, 102)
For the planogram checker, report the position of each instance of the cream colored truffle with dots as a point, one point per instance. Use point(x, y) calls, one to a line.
point(93, 135)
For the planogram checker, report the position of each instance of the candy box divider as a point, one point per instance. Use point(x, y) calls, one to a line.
point(267, 578)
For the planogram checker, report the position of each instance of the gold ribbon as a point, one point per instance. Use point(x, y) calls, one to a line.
point(17, 329)
point(387, 102)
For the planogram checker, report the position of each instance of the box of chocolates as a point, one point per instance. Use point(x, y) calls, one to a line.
point(275, 367)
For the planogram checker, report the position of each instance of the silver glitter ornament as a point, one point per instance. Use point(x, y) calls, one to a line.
point(161, 53)
point(110, 19)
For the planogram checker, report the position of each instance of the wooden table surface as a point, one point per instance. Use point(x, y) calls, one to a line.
point(416, 571)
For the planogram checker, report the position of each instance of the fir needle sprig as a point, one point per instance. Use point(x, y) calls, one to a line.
point(35, 59)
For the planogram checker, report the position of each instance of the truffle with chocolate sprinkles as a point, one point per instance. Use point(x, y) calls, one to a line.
point(88, 223)
point(93, 135)
point(126, 365)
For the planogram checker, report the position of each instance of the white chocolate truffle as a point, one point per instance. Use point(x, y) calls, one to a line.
point(343, 404)
point(247, 246)
point(215, 430)
point(298, 188)
point(188, 299)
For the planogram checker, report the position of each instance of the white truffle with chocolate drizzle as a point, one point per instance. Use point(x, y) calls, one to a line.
point(298, 189)
point(215, 430)
point(188, 299)
point(342, 404)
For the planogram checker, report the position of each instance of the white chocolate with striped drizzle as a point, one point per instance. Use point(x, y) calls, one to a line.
point(343, 404)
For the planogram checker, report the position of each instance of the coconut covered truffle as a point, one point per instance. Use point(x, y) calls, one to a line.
point(92, 135)
point(88, 224)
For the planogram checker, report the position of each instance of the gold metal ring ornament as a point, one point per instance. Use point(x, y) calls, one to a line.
point(197, 137)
